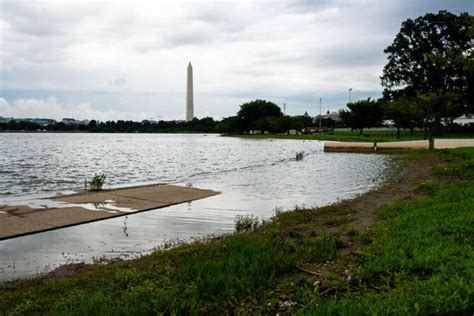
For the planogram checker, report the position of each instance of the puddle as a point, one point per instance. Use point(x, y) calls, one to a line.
point(43, 201)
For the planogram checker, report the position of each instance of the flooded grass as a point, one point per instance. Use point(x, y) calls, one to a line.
point(418, 259)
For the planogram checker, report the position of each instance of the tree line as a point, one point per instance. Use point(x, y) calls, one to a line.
point(204, 125)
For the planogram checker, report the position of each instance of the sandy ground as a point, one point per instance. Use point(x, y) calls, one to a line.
point(85, 207)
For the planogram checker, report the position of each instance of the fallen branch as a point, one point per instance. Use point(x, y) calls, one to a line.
point(375, 287)
point(308, 271)
point(326, 291)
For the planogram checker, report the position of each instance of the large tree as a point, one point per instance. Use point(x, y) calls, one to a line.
point(252, 115)
point(362, 114)
point(229, 125)
point(405, 113)
point(433, 55)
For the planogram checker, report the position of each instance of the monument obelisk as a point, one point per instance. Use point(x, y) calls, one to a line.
point(189, 95)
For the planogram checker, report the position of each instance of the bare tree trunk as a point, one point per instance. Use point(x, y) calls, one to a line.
point(431, 139)
point(436, 129)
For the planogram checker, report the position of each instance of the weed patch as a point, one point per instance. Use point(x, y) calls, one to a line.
point(245, 223)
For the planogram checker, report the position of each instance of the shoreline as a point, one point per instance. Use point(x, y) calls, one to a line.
point(329, 260)
point(340, 219)
point(207, 216)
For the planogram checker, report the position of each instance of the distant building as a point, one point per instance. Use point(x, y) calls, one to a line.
point(39, 121)
point(83, 122)
point(312, 129)
point(149, 121)
point(43, 121)
point(69, 121)
point(5, 119)
point(329, 115)
point(464, 120)
point(293, 132)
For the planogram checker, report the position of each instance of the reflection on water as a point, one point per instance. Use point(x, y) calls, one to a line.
point(254, 176)
point(42, 201)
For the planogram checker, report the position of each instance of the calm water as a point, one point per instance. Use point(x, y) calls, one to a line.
point(254, 176)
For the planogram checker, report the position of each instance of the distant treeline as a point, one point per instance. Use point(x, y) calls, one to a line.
point(204, 125)
point(15, 125)
point(234, 124)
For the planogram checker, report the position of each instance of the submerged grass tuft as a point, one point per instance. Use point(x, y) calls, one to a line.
point(95, 184)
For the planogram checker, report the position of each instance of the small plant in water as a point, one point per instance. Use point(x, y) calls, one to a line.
point(299, 156)
point(94, 184)
point(245, 223)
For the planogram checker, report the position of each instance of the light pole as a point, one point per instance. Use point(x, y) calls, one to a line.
point(320, 114)
point(284, 108)
point(350, 90)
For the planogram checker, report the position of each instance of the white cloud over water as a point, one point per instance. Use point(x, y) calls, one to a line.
point(131, 56)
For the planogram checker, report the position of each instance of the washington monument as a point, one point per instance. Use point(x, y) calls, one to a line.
point(189, 95)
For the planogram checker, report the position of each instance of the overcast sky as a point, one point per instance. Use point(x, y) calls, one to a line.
point(128, 59)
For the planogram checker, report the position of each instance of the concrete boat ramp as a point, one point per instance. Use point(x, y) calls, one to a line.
point(84, 207)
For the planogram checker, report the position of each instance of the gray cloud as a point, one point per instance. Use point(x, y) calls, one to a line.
point(127, 57)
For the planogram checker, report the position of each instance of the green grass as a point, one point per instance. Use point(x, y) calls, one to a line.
point(214, 275)
point(461, 164)
point(419, 259)
point(353, 136)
